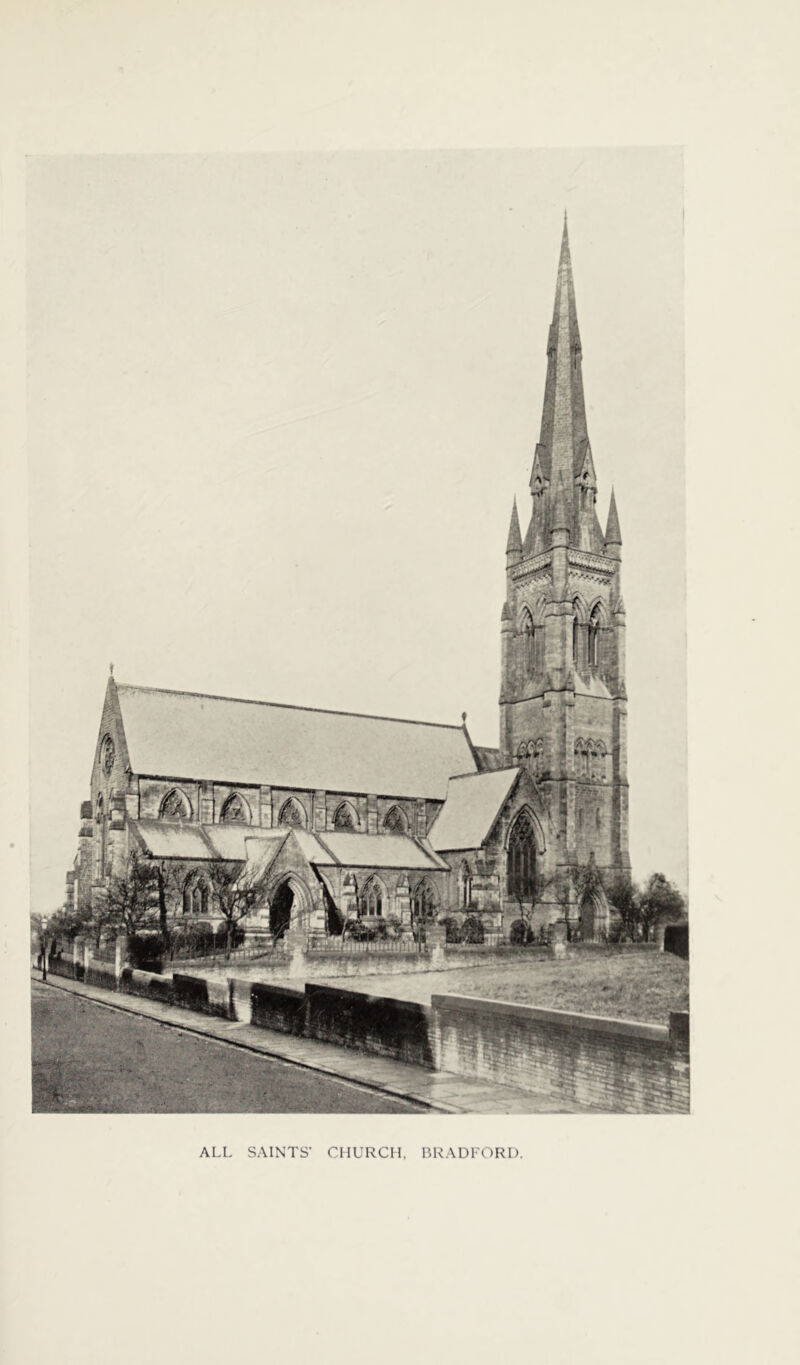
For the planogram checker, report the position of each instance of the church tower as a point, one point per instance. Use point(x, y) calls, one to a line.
point(563, 701)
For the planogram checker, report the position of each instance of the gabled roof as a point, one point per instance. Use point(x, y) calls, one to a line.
point(471, 808)
point(197, 737)
point(259, 847)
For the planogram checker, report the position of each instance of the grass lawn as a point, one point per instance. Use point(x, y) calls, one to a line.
point(643, 986)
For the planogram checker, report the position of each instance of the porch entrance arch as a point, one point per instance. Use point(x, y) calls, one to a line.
point(289, 904)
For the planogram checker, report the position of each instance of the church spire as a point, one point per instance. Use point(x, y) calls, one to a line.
point(563, 437)
point(514, 542)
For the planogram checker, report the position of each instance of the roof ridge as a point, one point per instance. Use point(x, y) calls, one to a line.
point(285, 706)
point(491, 772)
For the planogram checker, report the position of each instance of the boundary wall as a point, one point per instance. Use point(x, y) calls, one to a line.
point(611, 1064)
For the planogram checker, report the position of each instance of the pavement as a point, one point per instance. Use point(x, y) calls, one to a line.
point(435, 1091)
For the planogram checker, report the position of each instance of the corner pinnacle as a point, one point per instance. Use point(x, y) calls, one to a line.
point(514, 542)
point(613, 534)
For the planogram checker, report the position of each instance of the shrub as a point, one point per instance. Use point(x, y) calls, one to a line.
point(452, 929)
point(360, 931)
point(472, 930)
point(146, 952)
point(520, 932)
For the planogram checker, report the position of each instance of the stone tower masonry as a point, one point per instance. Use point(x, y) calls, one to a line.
point(563, 701)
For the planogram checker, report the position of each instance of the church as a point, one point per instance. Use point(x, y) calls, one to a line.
point(335, 816)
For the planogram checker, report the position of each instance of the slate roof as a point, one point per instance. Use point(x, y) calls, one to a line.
point(377, 850)
point(193, 736)
point(471, 808)
point(178, 839)
point(237, 843)
point(489, 760)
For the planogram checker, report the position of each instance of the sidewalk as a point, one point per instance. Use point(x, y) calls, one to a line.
point(437, 1091)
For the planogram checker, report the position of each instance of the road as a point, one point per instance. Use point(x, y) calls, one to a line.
point(89, 1058)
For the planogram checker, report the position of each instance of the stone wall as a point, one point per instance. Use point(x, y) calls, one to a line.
point(609, 1064)
point(612, 1064)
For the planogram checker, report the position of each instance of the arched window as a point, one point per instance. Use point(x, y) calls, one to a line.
point(196, 894)
point(424, 901)
point(292, 814)
point(100, 840)
point(594, 637)
point(592, 754)
point(601, 761)
point(395, 821)
point(373, 898)
point(527, 642)
point(538, 758)
point(576, 635)
point(345, 817)
point(235, 810)
point(465, 878)
point(521, 861)
point(175, 806)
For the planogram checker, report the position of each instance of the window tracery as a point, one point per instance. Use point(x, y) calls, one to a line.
point(424, 901)
point(292, 814)
point(373, 898)
point(344, 817)
point(196, 894)
point(395, 821)
point(521, 858)
point(175, 806)
point(235, 811)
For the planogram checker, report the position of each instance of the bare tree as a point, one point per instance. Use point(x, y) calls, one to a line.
point(131, 901)
point(235, 897)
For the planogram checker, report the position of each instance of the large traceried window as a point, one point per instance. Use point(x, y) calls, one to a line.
point(196, 894)
point(521, 861)
point(424, 902)
point(373, 898)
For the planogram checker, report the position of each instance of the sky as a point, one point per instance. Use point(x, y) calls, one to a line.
point(278, 409)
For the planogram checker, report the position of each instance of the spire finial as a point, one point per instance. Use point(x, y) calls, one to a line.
point(463, 717)
point(111, 670)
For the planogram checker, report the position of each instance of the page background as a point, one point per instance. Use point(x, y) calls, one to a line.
point(616, 1239)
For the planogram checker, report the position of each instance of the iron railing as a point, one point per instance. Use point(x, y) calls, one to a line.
point(321, 943)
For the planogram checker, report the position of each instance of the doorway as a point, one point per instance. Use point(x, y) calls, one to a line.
point(280, 910)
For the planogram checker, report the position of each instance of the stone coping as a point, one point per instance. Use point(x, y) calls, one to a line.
point(320, 988)
point(625, 1028)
